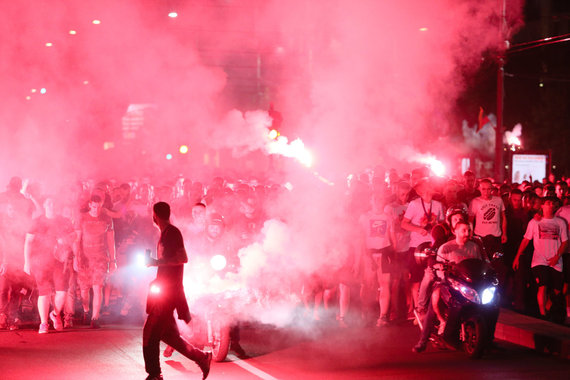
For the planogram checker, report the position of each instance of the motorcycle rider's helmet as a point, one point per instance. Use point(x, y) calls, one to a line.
point(458, 209)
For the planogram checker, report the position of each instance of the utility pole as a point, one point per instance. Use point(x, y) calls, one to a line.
point(499, 163)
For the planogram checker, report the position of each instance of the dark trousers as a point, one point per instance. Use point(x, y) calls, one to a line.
point(162, 327)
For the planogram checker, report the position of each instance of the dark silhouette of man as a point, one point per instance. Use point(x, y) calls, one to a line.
point(166, 294)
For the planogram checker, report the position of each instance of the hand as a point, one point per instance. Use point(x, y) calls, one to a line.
point(27, 269)
point(553, 260)
point(3, 269)
point(423, 232)
point(516, 263)
point(503, 238)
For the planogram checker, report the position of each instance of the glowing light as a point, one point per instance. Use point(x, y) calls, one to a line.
point(424, 29)
point(288, 186)
point(296, 149)
point(85, 82)
point(154, 289)
point(437, 167)
point(49, 44)
point(141, 260)
point(183, 149)
point(169, 156)
point(72, 32)
point(43, 91)
point(273, 134)
point(488, 295)
point(541, 84)
point(218, 262)
point(28, 97)
point(96, 22)
point(34, 90)
point(173, 14)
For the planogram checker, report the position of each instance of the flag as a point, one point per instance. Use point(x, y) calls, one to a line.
point(482, 119)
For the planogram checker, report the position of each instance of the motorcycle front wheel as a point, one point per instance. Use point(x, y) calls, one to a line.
point(221, 341)
point(474, 339)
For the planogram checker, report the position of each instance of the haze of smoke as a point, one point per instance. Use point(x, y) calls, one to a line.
point(355, 77)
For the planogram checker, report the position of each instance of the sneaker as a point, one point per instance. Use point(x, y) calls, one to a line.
point(15, 325)
point(205, 365)
point(382, 321)
point(56, 320)
point(44, 328)
point(94, 324)
point(3, 321)
point(420, 347)
point(441, 328)
point(168, 351)
point(86, 317)
point(67, 321)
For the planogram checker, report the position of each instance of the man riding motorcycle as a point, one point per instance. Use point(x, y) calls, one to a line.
point(454, 251)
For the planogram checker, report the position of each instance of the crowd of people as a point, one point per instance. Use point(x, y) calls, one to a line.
point(71, 254)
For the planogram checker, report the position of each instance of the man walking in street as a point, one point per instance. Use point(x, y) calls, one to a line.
point(166, 294)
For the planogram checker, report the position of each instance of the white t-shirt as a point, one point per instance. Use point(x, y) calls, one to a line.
point(487, 215)
point(395, 212)
point(564, 213)
point(547, 236)
point(376, 229)
point(417, 213)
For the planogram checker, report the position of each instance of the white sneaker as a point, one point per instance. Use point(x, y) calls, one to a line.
point(44, 328)
point(56, 320)
point(441, 328)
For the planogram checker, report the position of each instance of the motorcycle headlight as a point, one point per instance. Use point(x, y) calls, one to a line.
point(488, 295)
point(218, 262)
point(466, 291)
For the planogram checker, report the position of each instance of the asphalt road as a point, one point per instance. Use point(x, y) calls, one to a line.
point(313, 352)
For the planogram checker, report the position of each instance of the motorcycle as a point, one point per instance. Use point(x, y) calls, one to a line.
point(469, 301)
point(214, 301)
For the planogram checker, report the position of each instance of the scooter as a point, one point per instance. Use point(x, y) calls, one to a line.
point(469, 301)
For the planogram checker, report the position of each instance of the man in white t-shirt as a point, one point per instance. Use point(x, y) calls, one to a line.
point(564, 213)
point(550, 240)
point(378, 253)
point(421, 216)
point(395, 210)
point(488, 214)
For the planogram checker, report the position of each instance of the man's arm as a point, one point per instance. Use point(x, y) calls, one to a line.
point(503, 227)
point(112, 252)
point(554, 259)
point(27, 252)
point(522, 247)
point(409, 226)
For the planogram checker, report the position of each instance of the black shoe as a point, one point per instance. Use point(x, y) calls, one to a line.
point(238, 349)
point(154, 377)
point(94, 324)
point(205, 365)
point(420, 347)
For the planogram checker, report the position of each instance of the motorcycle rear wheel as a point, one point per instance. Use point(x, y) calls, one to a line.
point(474, 341)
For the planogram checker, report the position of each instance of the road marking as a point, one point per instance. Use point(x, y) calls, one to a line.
point(248, 367)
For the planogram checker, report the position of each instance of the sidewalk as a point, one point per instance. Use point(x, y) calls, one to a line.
point(543, 336)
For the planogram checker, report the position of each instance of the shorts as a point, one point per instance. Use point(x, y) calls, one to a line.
point(94, 273)
point(49, 277)
point(566, 267)
point(548, 276)
point(383, 260)
point(416, 270)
